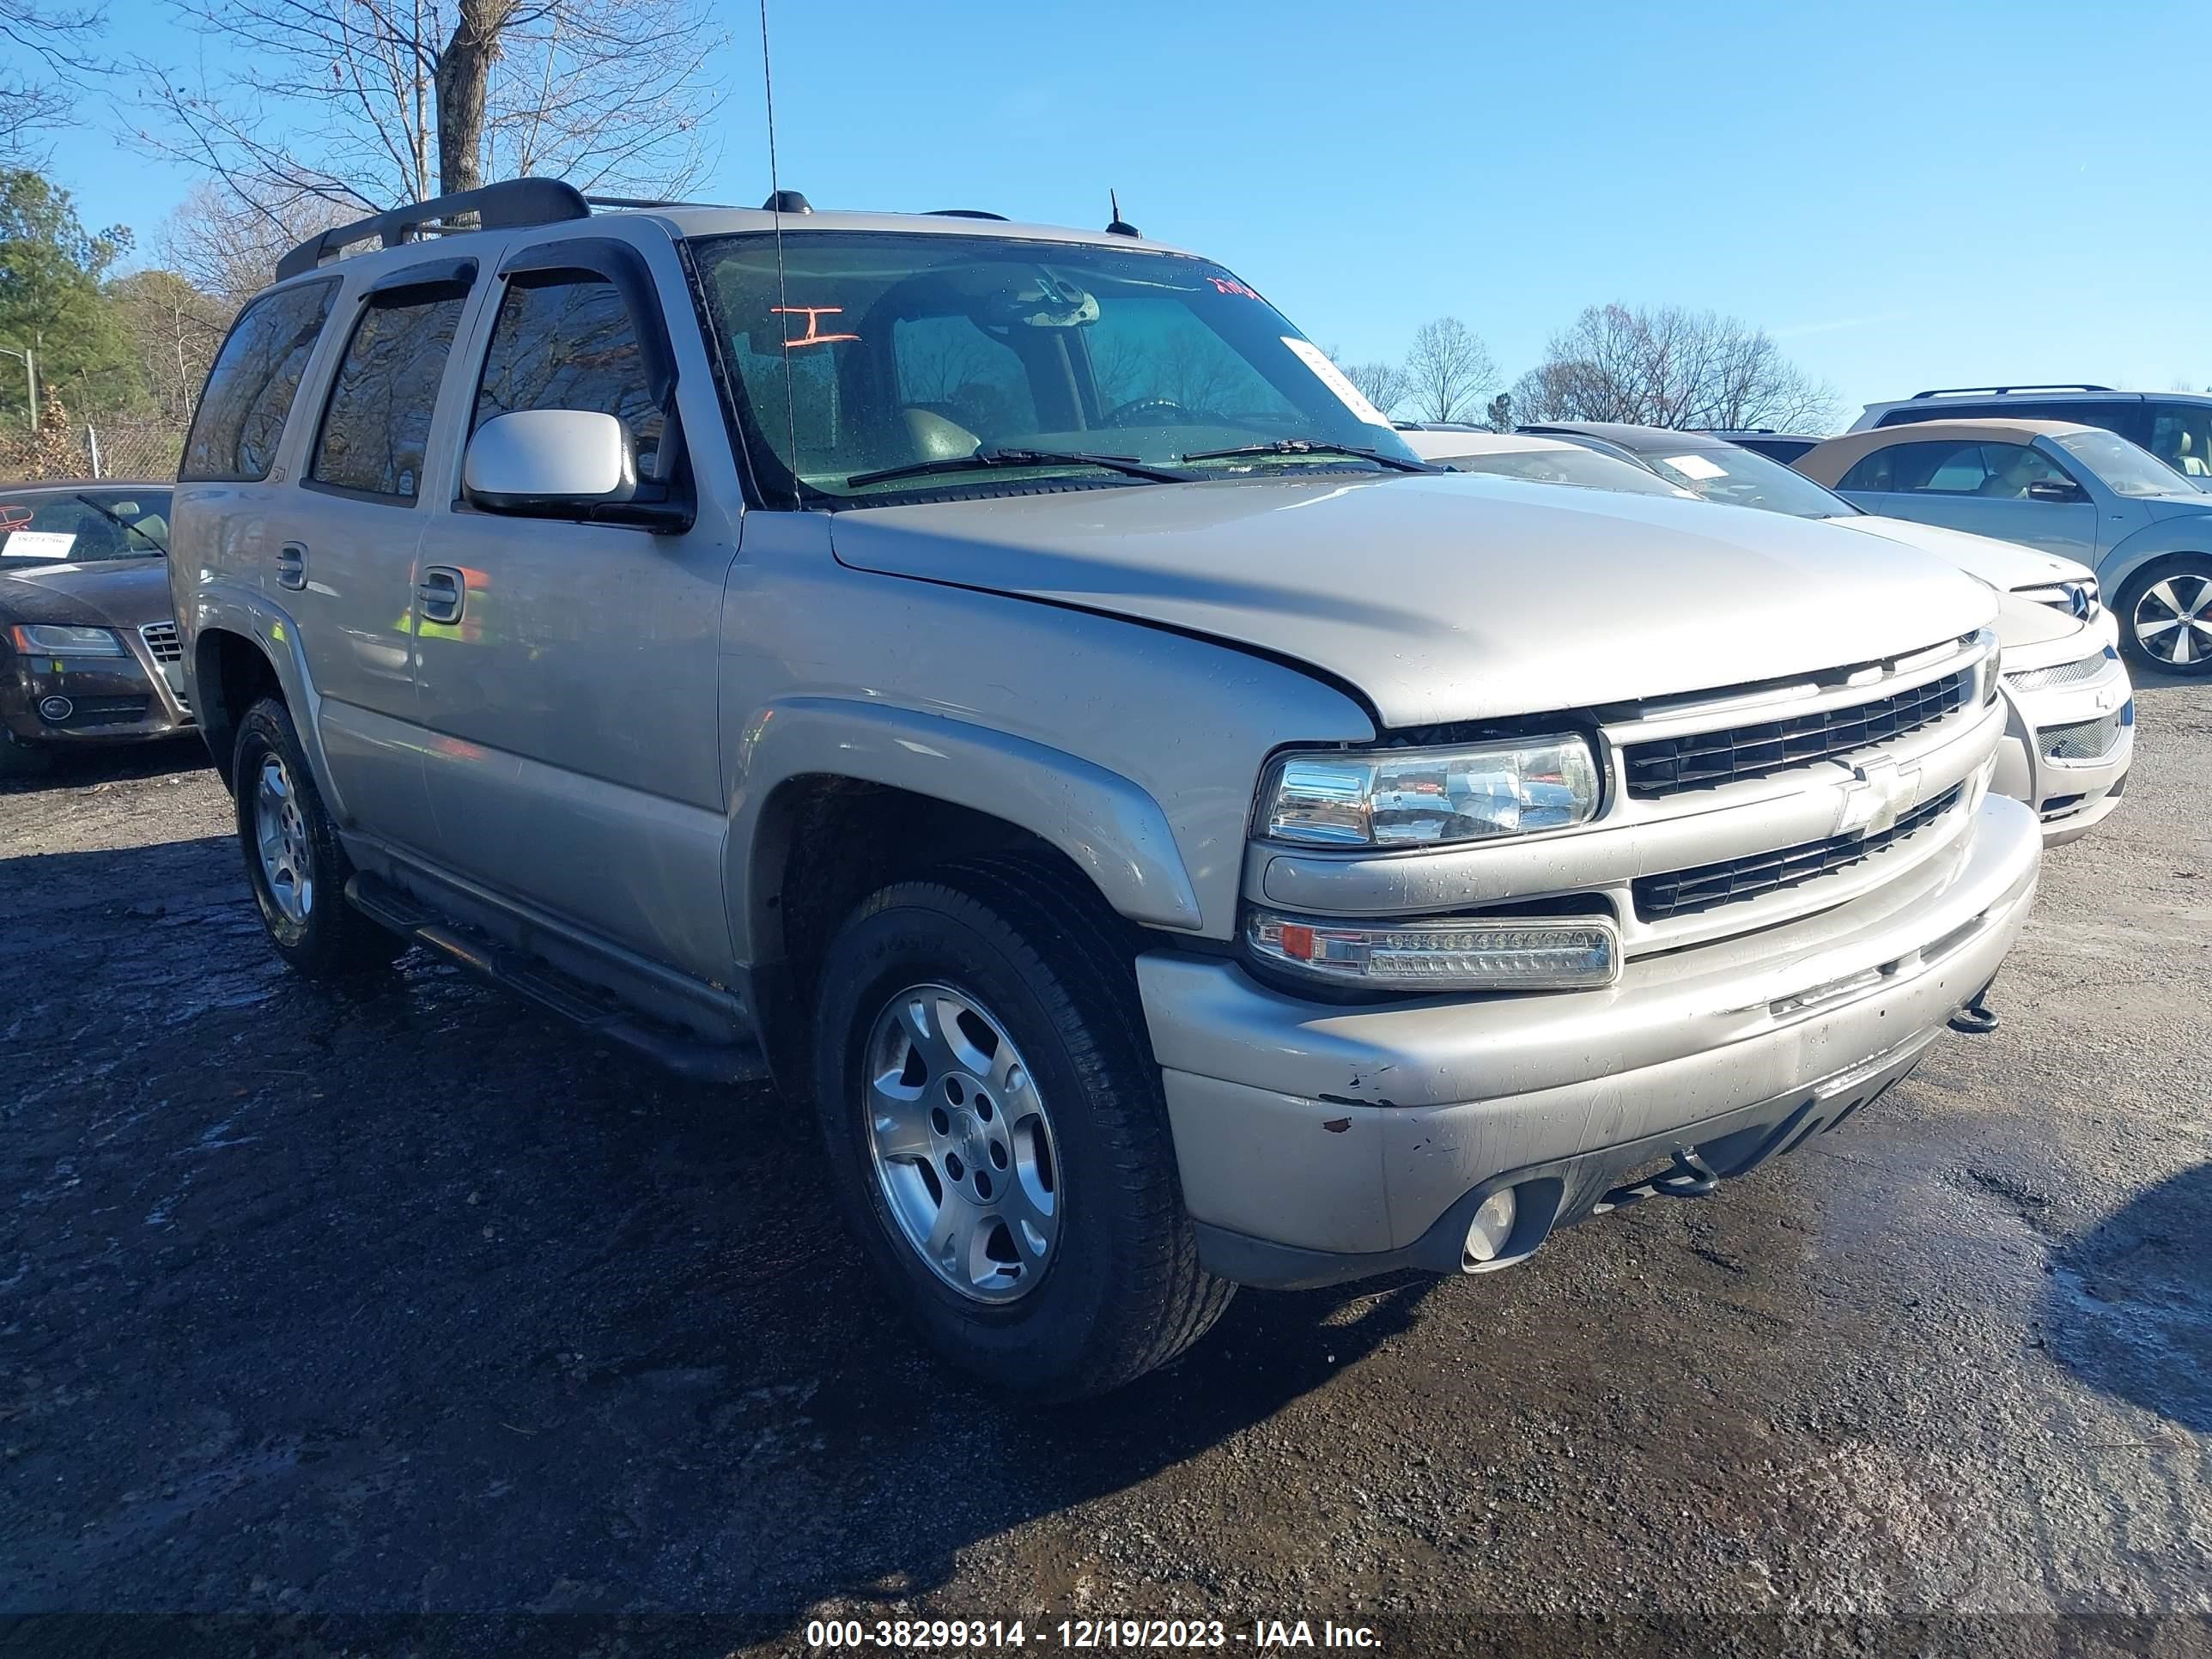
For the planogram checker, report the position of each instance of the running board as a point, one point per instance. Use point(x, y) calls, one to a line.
point(595, 1010)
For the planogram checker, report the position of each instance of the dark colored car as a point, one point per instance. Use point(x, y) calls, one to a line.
point(1782, 447)
point(88, 637)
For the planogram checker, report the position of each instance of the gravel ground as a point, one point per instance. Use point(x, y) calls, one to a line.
point(320, 1308)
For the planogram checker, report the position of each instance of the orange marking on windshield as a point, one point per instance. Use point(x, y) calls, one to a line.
point(813, 315)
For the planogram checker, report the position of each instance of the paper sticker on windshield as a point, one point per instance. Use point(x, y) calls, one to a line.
point(1332, 377)
point(1695, 467)
point(37, 544)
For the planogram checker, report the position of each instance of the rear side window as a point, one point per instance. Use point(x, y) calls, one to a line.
point(249, 390)
point(571, 344)
point(377, 423)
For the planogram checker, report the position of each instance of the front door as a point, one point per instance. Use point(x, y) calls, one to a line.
point(566, 678)
point(1978, 486)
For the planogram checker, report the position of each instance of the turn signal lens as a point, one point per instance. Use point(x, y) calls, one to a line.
point(1450, 954)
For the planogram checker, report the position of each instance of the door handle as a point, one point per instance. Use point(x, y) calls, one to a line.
point(292, 565)
point(441, 594)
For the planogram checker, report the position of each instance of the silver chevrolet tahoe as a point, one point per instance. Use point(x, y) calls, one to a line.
point(1004, 685)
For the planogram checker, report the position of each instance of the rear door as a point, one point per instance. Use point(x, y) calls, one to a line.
point(568, 670)
point(357, 518)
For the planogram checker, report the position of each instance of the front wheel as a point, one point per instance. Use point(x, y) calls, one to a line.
point(997, 1135)
point(294, 862)
point(2166, 615)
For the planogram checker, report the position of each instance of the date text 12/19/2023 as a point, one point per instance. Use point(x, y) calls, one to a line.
point(1080, 1635)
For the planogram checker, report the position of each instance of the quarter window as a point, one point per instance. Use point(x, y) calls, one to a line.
point(377, 425)
point(571, 344)
point(250, 389)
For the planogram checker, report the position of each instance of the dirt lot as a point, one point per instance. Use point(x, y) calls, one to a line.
point(410, 1301)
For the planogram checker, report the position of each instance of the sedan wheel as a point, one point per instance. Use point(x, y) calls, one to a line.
point(2173, 621)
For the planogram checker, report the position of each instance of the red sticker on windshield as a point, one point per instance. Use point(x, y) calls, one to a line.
point(1231, 285)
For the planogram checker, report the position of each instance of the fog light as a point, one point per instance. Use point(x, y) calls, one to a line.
point(1561, 953)
point(56, 709)
point(1492, 1226)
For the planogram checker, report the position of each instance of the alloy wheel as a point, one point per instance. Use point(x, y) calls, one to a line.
point(2173, 620)
point(280, 834)
point(961, 1143)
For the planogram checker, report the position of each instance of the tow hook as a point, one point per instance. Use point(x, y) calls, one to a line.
point(1688, 1176)
point(1977, 1018)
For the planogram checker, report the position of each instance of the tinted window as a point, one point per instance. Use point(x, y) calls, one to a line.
point(250, 389)
point(378, 422)
point(570, 345)
point(1995, 470)
point(2181, 436)
point(72, 526)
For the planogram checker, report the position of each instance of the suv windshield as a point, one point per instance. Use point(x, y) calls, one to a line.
point(1743, 478)
point(868, 354)
point(2125, 469)
point(83, 525)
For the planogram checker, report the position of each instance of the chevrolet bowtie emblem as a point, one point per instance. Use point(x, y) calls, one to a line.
point(1878, 792)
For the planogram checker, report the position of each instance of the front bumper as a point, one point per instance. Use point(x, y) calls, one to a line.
point(2071, 797)
point(1320, 1143)
point(90, 699)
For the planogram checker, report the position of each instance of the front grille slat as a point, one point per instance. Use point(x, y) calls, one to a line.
point(1684, 892)
point(1671, 766)
point(162, 643)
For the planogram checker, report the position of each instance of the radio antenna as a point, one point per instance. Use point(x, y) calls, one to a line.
point(782, 295)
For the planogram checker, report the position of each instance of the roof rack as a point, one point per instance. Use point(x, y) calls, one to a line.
point(964, 213)
point(1998, 391)
point(509, 205)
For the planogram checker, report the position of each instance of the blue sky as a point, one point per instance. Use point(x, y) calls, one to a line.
point(1906, 195)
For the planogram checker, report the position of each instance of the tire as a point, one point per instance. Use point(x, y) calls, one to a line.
point(307, 919)
point(1116, 1288)
point(2158, 594)
point(19, 759)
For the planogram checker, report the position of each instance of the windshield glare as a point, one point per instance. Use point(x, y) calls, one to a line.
point(83, 526)
point(1743, 478)
point(2125, 469)
point(1568, 464)
point(901, 350)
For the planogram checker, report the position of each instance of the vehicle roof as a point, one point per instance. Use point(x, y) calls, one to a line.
point(2051, 394)
point(1630, 436)
point(1434, 445)
point(73, 485)
point(1828, 461)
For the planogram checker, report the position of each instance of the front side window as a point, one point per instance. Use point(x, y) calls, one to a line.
point(863, 355)
point(83, 526)
point(2124, 468)
point(571, 344)
point(1998, 471)
point(377, 424)
point(250, 389)
point(2181, 436)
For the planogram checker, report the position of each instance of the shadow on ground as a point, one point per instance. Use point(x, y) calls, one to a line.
point(65, 766)
point(2129, 1309)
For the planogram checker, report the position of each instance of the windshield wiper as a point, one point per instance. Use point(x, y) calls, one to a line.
point(1126, 465)
point(1308, 447)
point(124, 524)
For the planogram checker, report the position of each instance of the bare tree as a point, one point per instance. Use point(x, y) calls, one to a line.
point(40, 42)
point(227, 242)
point(1383, 385)
point(1671, 366)
point(363, 103)
point(1448, 371)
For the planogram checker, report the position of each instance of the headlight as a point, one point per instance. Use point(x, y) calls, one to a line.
point(1420, 797)
point(1451, 953)
point(52, 639)
point(1993, 669)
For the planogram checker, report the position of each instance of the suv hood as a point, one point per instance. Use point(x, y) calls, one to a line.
point(2004, 565)
point(1455, 597)
point(120, 592)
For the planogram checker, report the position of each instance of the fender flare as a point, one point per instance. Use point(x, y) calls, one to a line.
point(250, 614)
point(1110, 827)
point(2189, 535)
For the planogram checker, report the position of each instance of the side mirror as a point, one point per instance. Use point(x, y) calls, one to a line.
point(2057, 489)
point(562, 463)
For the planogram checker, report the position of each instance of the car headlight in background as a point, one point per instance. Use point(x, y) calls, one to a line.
point(53, 640)
point(1424, 797)
point(1445, 953)
point(1990, 674)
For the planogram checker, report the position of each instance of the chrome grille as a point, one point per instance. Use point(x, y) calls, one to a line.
point(2085, 740)
point(1704, 760)
point(1682, 892)
point(2064, 674)
point(160, 639)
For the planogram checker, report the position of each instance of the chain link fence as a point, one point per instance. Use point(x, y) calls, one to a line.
point(144, 449)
